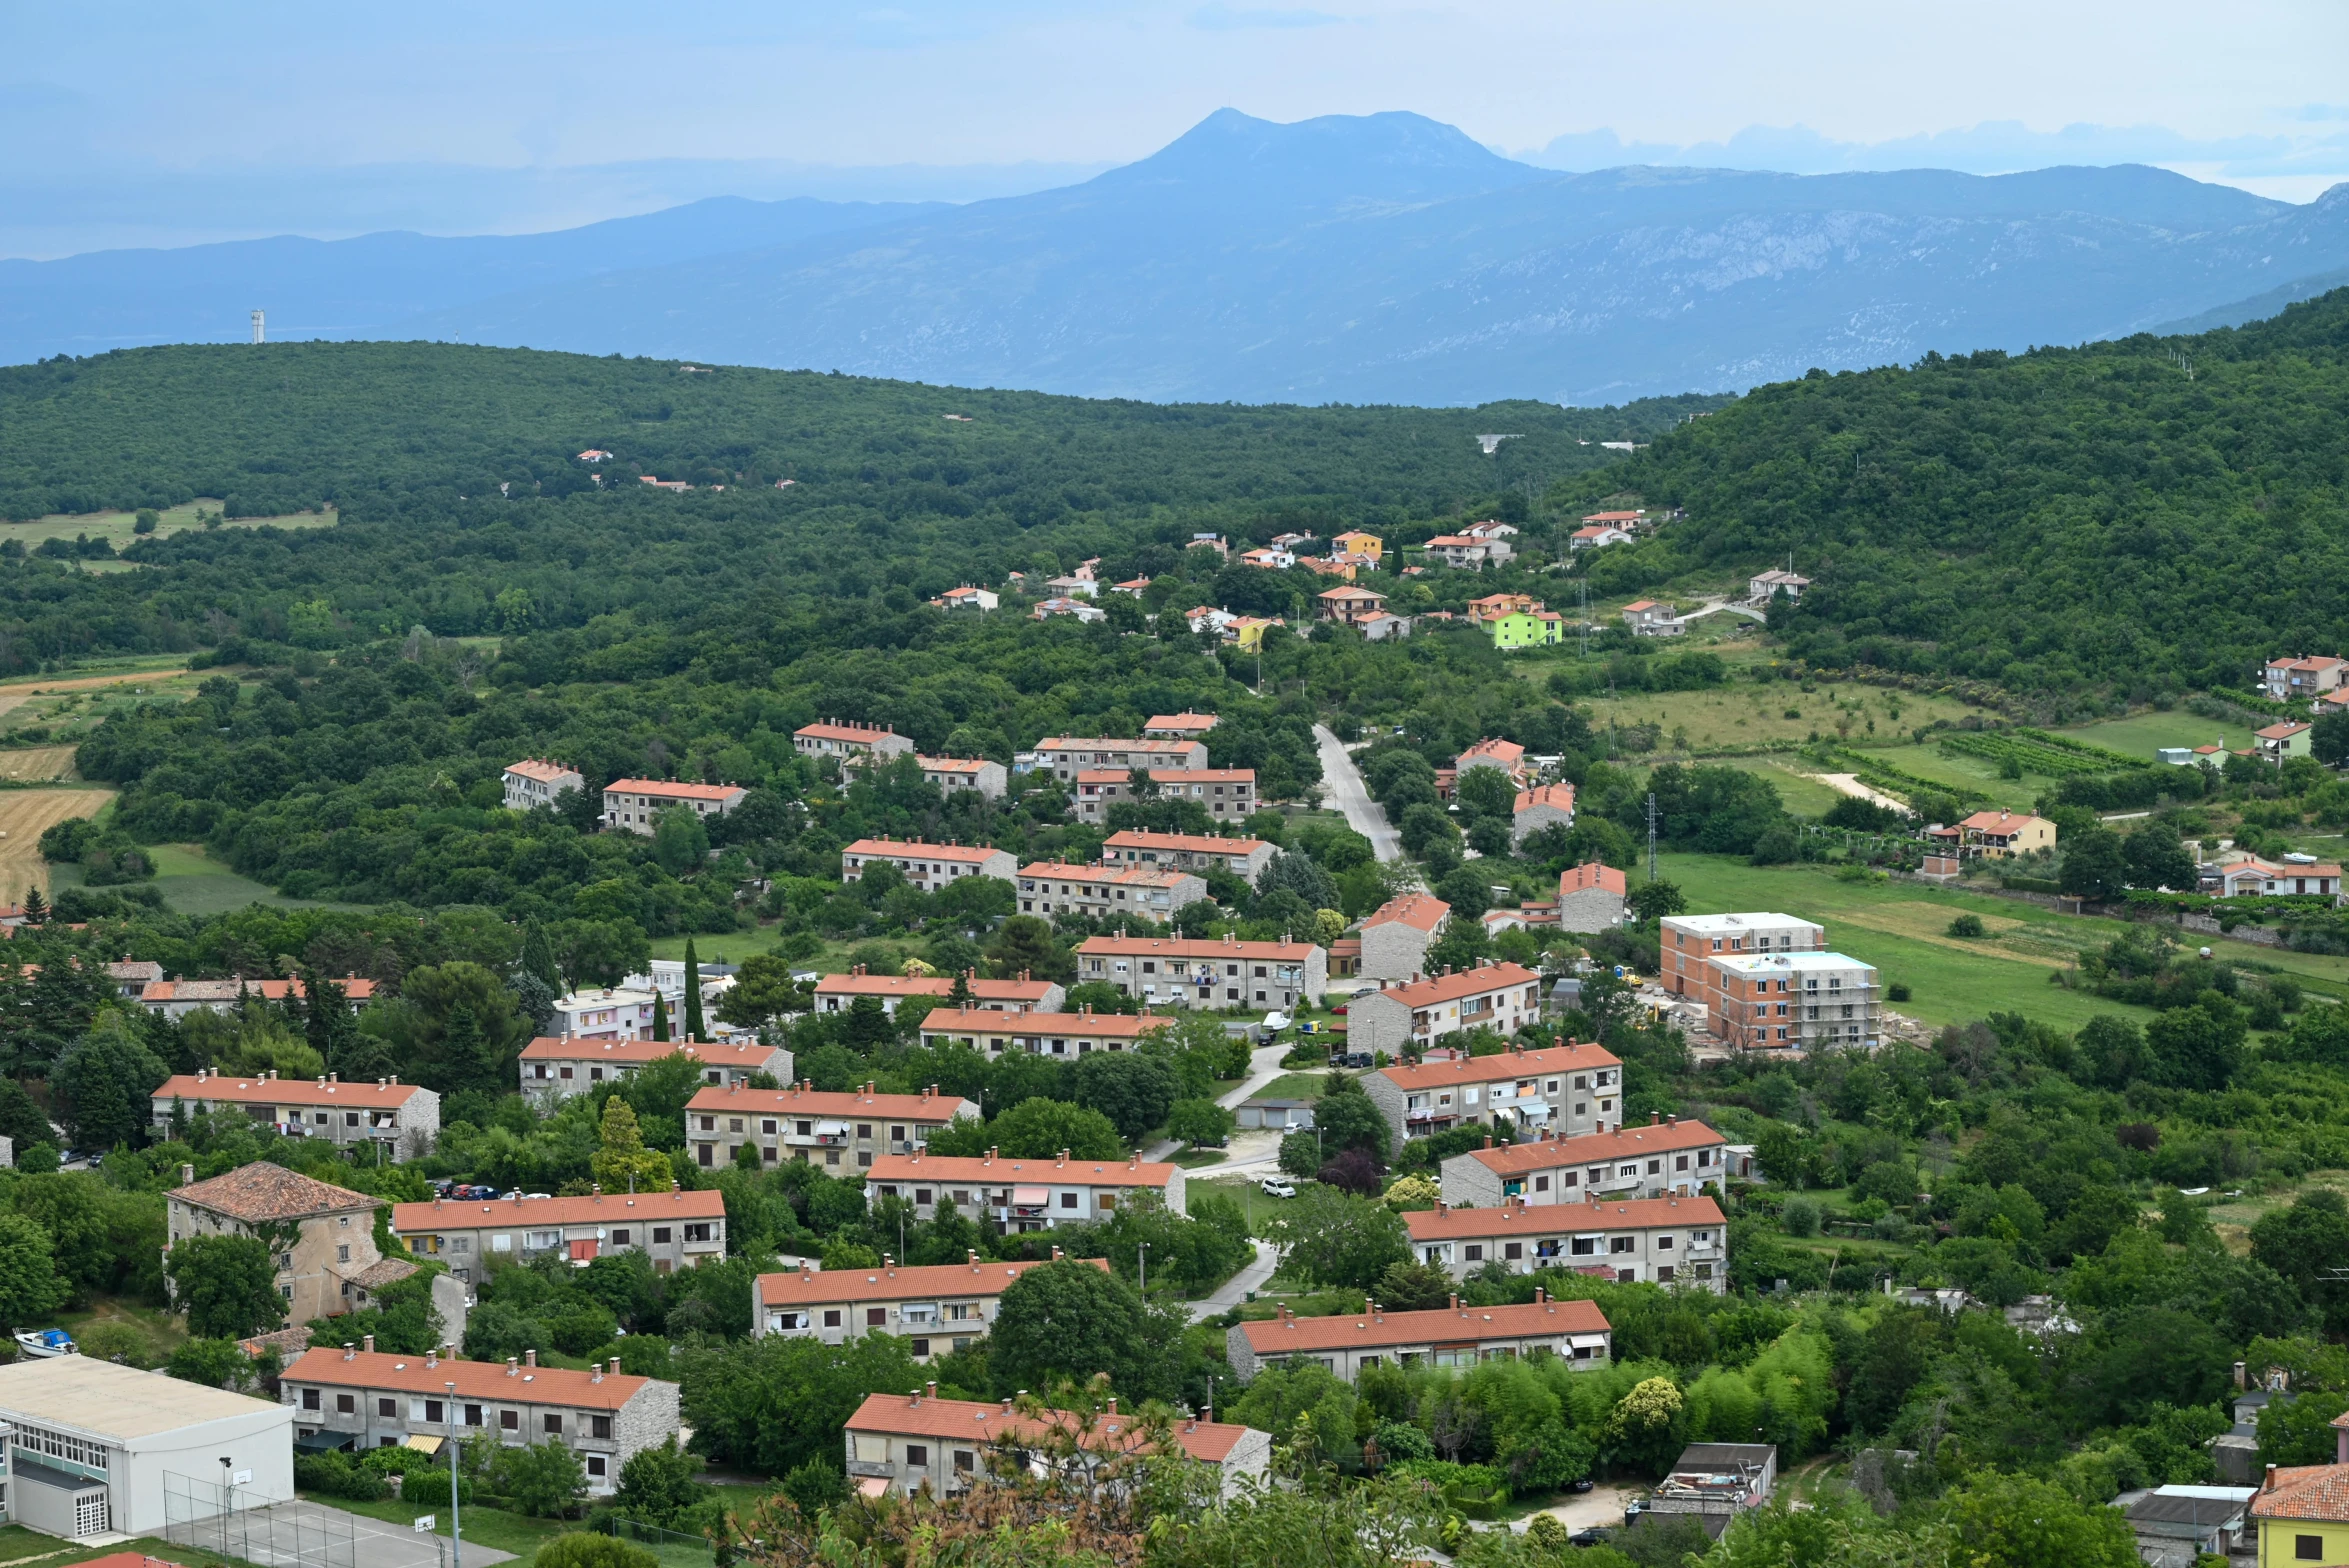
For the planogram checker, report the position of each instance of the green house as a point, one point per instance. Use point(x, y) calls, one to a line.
point(1528, 629)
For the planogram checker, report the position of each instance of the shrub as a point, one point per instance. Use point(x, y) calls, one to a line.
point(1967, 926)
point(1896, 992)
point(1800, 1217)
point(585, 1549)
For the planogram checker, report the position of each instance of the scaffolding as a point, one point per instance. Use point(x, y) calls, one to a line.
point(230, 1522)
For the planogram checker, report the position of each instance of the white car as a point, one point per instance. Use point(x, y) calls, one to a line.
point(1279, 1186)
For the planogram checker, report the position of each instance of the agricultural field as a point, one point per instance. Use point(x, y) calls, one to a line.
point(57, 709)
point(37, 764)
point(117, 527)
point(1797, 782)
point(24, 814)
point(1744, 716)
point(2141, 734)
point(1961, 772)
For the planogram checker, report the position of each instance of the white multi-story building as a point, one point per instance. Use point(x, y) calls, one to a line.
point(1576, 1332)
point(535, 782)
point(402, 1117)
point(992, 1031)
point(936, 1309)
point(846, 738)
point(1668, 1156)
point(1022, 1195)
point(1244, 858)
point(1497, 996)
point(842, 1130)
point(838, 993)
point(1801, 1001)
point(1048, 888)
point(965, 776)
point(1397, 935)
point(1565, 1089)
point(1225, 972)
point(674, 1229)
point(1666, 1241)
point(558, 1067)
point(1066, 756)
point(928, 868)
point(1688, 941)
point(637, 804)
point(899, 1444)
point(1225, 793)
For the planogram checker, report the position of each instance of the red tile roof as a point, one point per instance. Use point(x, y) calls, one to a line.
point(979, 1168)
point(1201, 947)
point(1466, 982)
point(669, 789)
point(1518, 1218)
point(1999, 821)
point(1093, 1026)
point(1169, 775)
point(2313, 1492)
point(478, 1380)
point(964, 1420)
point(811, 1287)
point(354, 990)
point(1190, 723)
point(1560, 796)
point(1507, 751)
point(218, 1088)
point(1512, 1063)
point(796, 1101)
point(1192, 843)
point(1579, 879)
point(919, 849)
point(1437, 1325)
point(1550, 1153)
point(577, 1048)
point(472, 1214)
point(1027, 993)
point(830, 729)
point(262, 1192)
point(1422, 911)
point(545, 772)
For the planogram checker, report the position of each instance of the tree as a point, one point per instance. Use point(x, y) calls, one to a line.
point(2303, 1243)
point(227, 1285)
point(776, 1403)
point(543, 1480)
point(1038, 1129)
point(2094, 865)
point(1071, 1319)
point(1652, 901)
point(1424, 825)
point(694, 1027)
point(1647, 1427)
point(1468, 889)
point(328, 1023)
point(216, 1363)
point(103, 1084)
point(1412, 1287)
point(1133, 1089)
point(30, 1285)
point(1347, 1119)
point(2020, 1521)
point(680, 842)
point(763, 991)
point(2156, 857)
point(538, 954)
point(1202, 1124)
point(21, 1120)
point(1299, 1153)
point(1327, 1237)
point(2300, 1431)
point(2328, 741)
point(1024, 944)
point(657, 1484)
point(2198, 1047)
point(590, 1549)
point(621, 1162)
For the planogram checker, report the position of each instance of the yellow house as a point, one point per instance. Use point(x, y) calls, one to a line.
point(1369, 546)
point(1997, 833)
point(2302, 1511)
point(1246, 632)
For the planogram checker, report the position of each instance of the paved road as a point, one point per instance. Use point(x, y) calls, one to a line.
point(1235, 1290)
point(1264, 1066)
point(1347, 792)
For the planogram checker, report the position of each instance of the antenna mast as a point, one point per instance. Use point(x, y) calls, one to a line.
point(1651, 835)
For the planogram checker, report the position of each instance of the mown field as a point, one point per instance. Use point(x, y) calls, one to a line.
point(119, 528)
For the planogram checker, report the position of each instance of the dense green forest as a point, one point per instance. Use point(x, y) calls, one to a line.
point(2149, 515)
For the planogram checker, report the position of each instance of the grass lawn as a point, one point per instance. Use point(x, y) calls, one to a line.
point(1253, 1200)
point(1196, 1159)
point(1931, 762)
point(193, 883)
point(117, 526)
point(1294, 1086)
point(2140, 733)
point(164, 1331)
point(1803, 794)
point(1742, 715)
point(20, 1545)
point(491, 1527)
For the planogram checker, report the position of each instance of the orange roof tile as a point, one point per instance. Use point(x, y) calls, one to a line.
point(1517, 1217)
point(219, 1088)
point(473, 1214)
point(979, 1168)
point(795, 1101)
point(808, 1287)
point(669, 789)
point(919, 849)
point(480, 1380)
point(1551, 1153)
point(262, 1192)
point(964, 1420)
point(1437, 1325)
point(1512, 1063)
point(576, 1048)
point(1092, 1026)
point(1582, 878)
point(1422, 911)
point(1466, 982)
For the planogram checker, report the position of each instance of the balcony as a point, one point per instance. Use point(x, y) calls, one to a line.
point(886, 1469)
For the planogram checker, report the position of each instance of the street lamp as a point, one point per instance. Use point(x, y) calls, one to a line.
point(1142, 1267)
point(456, 1521)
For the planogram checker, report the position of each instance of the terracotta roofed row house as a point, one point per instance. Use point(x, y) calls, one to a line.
point(1667, 1156)
point(1501, 997)
point(1568, 1089)
point(927, 867)
point(1538, 807)
point(937, 1308)
point(1591, 897)
point(1228, 793)
point(637, 804)
point(1664, 1241)
point(401, 1117)
point(175, 999)
point(851, 1129)
point(1050, 888)
point(1245, 858)
point(1576, 1332)
point(992, 1032)
point(1396, 936)
point(1066, 756)
point(1179, 726)
point(900, 1444)
point(672, 1229)
point(847, 738)
point(837, 993)
point(1014, 1196)
point(535, 782)
point(1207, 972)
point(556, 1067)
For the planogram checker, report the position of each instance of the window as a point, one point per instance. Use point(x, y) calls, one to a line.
point(346, 1404)
point(510, 1420)
point(1514, 1249)
point(921, 1347)
point(1473, 1252)
point(1622, 1244)
point(599, 1427)
point(832, 1317)
point(2308, 1548)
point(285, 1260)
point(1663, 1244)
point(1541, 1184)
point(660, 1235)
point(342, 1254)
point(964, 1461)
point(698, 1232)
point(473, 1415)
point(620, 1238)
point(350, 1118)
point(596, 1466)
point(435, 1412)
point(876, 1317)
point(917, 1455)
point(1585, 1246)
point(864, 1129)
point(309, 1399)
point(1068, 1200)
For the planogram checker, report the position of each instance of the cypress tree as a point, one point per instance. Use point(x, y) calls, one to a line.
point(693, 1023)
point(660, 1015)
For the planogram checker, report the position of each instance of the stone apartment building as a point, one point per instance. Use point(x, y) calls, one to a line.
point(838, 993)
point(535, 782)
point(558, 1067)
point(403, 1118)
point(845, 739)
point(1798, 1001)
point(840, 1130)
point(1225, 972)
point(1396, 936)
point(1015, 1196)
point(322, 1236)
point(386, 1401)
point(928, 868)
point(1576, 1332)
point(637, 804)
point(1497, 996)
point(897, 1444)
point(1064, 756)
point(1665, 1241)
point(1564, 1089)
point(1591, 897)
point(673, 1229)
point(1542, 806)
point(1245, 858)
point(936, 1309)
point(1068, 1035)
point(1228, 794)
point(1051, 888)
point(1689, 942)
point(1668, 1156)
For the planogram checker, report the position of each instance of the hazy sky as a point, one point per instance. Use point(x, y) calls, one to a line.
point(229, 95)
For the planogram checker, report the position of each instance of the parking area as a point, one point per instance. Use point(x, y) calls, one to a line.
point(1601, 1505)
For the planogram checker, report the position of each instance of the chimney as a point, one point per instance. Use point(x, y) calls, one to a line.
point(1672, 1121)
point(1453, 1301)
point(888, 1264)
point(1655, 1117)
point(1056, 1254)
point(2340, 1442)
point(432, 1356)
point(1112, 1401)
point(974, 1262)
point(367, 1343)
point(350, 1351)
point(2242, 1371)
point(1007, 1406)
point(1488, 1140)
point(2269, 1483)
point(530, 1359)
point(187, 1177)
point(595, 1371)
point(930, 1391)
point(513, 1365)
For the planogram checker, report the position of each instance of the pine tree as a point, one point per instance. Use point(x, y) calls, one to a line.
point(328, 1027)
point(693, 1023)
point(36, 908)
point(960, 995)
point(467, 1057)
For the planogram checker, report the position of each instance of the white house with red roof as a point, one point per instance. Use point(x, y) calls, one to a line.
point(838, 993)
point(937, 1308)
point(637, 804)
point(1538, 807)
point(1568, 1089)
point(175, 999)
point(1348, 603)
point(1468, 551)
point(899, 1444)
point(536, 781)
point(1242, 857)
point(1762, 587)
point(1066, 756)
point(927, 867)
point(1653, 618)
point(991, 1031)
point(1397, 935)
point(847, 738)
point(2254, 877)
point(1665, 1241)
point(1207, 972)
point(401, 1117)
point(1597, 536)
point(1051, 887)
point(1492, 752)
point(1179, 726)
point(557, 1067)
point(964, 775)
point(1503, 998)
point(1226, 793)
point(1630, 520)
point(1022, 1195)
point(967, 597)
point(845, 1129)
point(2305, 676)
point(1665, 1157)
point(673, 1229)
point(1458, 1335)
point(2279, 742)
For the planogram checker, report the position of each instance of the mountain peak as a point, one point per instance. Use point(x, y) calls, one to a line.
point(1391, 156)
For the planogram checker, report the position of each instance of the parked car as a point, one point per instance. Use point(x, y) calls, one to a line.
point(1279, 1186)
point(1581, 1486)
point(1594, 1535)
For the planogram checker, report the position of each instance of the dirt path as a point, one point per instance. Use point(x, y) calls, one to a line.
point(1849, 784)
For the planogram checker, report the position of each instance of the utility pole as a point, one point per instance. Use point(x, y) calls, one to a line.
point(1651, 835)
point(1142, 1270)
point(456, 1520)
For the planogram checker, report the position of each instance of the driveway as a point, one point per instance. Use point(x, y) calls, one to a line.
point(1347, 792)
point(1235, 1290)
point(304, 1534)
point(1602, 1504)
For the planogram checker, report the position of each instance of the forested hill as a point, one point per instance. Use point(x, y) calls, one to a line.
point(2144, 515)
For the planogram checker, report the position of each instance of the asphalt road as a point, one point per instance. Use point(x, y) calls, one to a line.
point(1347, 792)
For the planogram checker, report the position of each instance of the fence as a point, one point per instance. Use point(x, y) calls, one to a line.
point(674, 1549)
point(233, 1523)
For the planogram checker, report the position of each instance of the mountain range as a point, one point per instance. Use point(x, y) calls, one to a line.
point(1382, 258)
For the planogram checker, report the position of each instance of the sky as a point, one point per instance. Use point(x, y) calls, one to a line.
point(165, 124)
